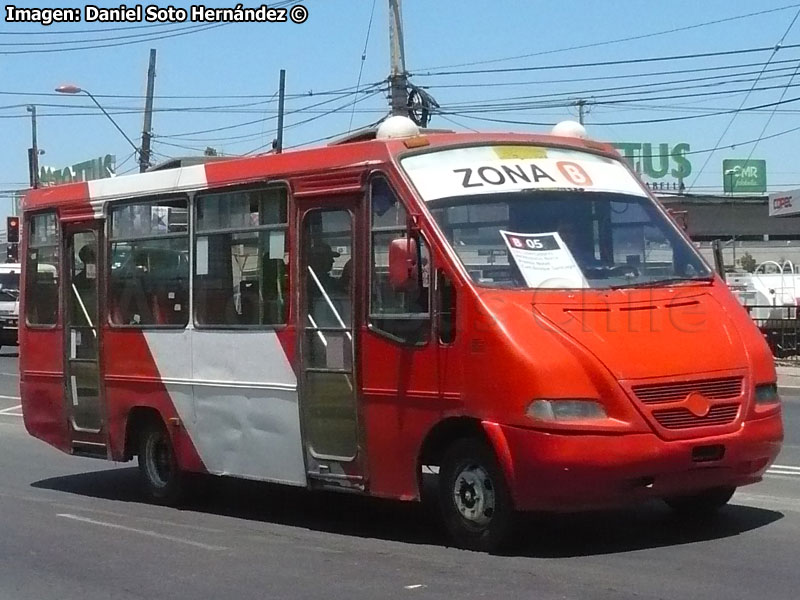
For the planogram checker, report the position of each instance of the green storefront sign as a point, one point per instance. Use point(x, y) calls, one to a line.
point(743, 176)
point(96, 168)
point(657, 161)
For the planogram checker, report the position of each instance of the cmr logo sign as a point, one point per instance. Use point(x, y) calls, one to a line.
point(744, 176)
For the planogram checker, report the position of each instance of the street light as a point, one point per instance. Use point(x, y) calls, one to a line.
point(74, 89)
point(730, 172)
point(33, 152)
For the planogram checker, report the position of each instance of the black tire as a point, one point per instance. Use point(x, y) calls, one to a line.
point(474, 500)
point(703, 504)
point(162, 478)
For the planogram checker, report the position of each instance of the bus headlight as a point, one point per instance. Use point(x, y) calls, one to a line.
point(566, 410)
point(767, 393)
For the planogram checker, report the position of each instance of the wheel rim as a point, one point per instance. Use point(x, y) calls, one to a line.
point(474, 496)
point(158, 461)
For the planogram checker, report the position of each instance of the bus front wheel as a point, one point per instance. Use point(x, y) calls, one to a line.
point(702, 504)
point(474, 499)
point(162, 478)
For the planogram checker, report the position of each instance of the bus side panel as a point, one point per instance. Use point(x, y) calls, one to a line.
point(132, 379)
point(401, 403)
point(42, 386)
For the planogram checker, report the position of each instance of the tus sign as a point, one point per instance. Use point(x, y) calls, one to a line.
point(744, 176)
point(656, 161)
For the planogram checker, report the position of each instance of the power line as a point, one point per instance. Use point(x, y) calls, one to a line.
point(638, 122)
point(363, 60)
point(615, 77)
point(733, 115)
point(153, 38)
point(102, 39)
point(314, 118)
point(616, 41)
point(655, 86)
point(568, 102)
point(772, 114)
point(608, 63)
point(82, 31)
point(228, 127)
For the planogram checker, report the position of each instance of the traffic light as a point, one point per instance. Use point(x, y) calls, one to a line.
point(12, 237)
point(12, 229)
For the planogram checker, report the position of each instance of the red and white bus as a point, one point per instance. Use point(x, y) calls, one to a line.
point(516, 310)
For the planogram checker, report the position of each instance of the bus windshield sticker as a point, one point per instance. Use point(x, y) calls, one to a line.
point(500, 169)
point(544, 260)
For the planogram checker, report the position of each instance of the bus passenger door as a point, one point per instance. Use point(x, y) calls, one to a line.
point(85, 411)
point(327, 379)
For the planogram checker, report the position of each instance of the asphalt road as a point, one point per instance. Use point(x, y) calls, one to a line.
point(79, 528)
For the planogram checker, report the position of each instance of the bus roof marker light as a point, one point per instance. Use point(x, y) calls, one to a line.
point(397, 127)
point(570, 129)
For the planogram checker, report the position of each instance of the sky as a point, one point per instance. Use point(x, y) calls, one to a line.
point(499, 66)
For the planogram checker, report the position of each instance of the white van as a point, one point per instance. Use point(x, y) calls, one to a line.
point(9, 303)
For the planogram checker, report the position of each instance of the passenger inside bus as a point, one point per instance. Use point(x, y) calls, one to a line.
point(84, 282)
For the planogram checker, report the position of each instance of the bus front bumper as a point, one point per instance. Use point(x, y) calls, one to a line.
point(558, 472)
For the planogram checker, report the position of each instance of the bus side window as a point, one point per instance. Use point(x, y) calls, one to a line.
point(41, 290)
point(149, 263)
point(403, 315)
point(241, 258)
point(447, 308)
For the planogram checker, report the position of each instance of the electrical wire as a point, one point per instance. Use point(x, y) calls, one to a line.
point(649, 87)
point(363, 60)
point(734, 114)
point(153, 38)
point(637, 122)
point(82, 31)
point(772, 114)
point(253, 122)
point(614, 77)
point(102, 39)
point(610, 63)
point(615, 41)
point(314, 118)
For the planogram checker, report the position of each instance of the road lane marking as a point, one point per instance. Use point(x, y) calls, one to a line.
point(12, 411)
point(10, 398)
point(787, 470)
point(146, 532)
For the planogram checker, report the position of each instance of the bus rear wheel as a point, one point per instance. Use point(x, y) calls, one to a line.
point(474, 499)
point(158, 466)
point(702, 504)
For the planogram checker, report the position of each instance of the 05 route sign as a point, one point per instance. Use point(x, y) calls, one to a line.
point(742, 176)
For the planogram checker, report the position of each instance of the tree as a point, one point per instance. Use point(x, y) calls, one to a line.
point(748, 262)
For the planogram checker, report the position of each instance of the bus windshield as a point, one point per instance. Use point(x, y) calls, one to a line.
point(566, 239)
point(527, 216)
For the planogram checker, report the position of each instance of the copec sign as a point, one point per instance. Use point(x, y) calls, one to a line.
point(657, 161)
point(96, 168)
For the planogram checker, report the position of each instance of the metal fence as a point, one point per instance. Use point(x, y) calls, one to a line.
point(781, 328)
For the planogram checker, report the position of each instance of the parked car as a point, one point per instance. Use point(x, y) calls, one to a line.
point(9, 304)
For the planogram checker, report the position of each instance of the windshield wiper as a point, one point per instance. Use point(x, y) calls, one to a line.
point(660, 282)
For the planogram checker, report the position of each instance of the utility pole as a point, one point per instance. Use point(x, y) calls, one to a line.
point(281, 100)
point(581, 105)
point(398, 77)
point(33, 153)
point(147, 130)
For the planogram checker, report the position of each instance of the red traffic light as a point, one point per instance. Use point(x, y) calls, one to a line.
point(12, 230)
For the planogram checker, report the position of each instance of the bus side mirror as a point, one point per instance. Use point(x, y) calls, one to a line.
point(403, 264)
